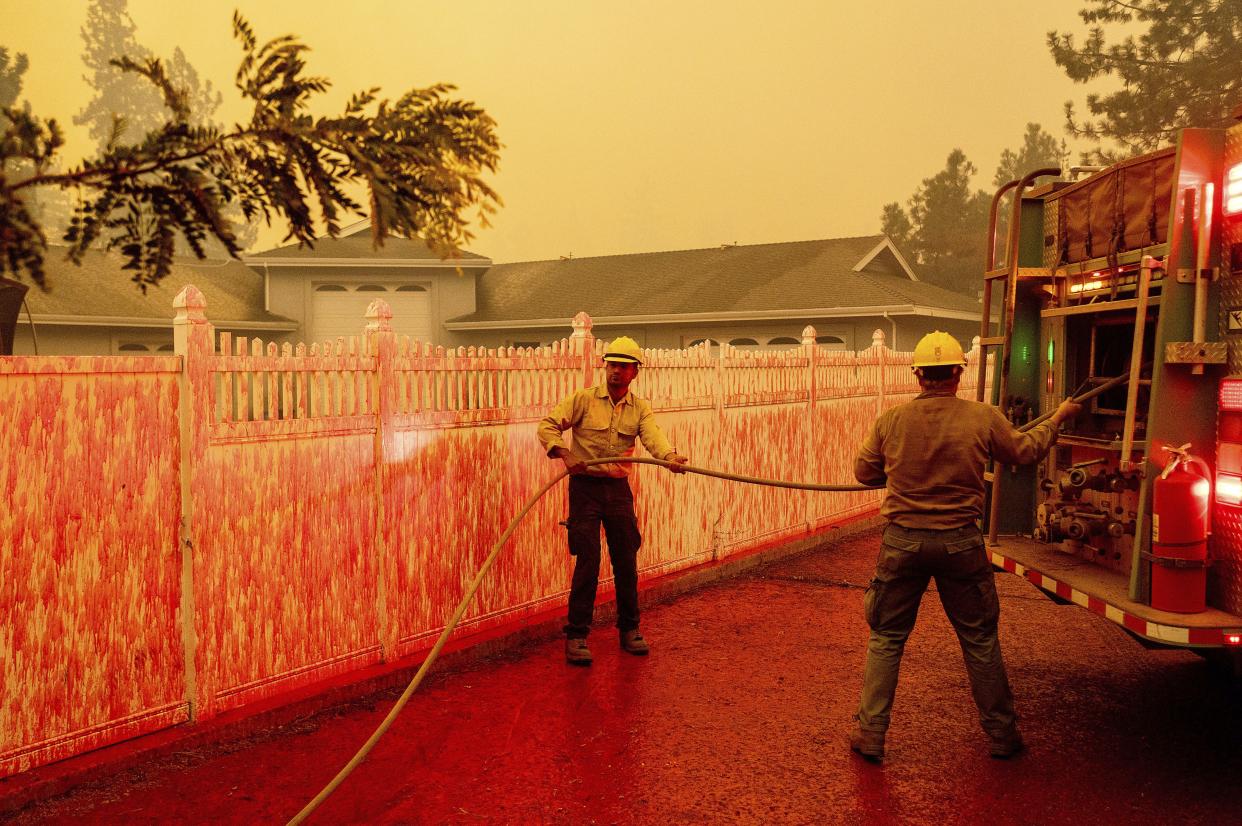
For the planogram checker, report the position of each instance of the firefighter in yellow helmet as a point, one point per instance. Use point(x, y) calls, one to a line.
point(929, 453)
point(605, 420)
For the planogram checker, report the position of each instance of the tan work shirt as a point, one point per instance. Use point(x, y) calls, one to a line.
point(602, 429)
point(930, 452)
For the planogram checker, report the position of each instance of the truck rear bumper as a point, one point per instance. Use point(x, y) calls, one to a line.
point(1106, 593)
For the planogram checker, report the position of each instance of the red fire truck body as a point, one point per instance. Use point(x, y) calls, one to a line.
point(1133, 271)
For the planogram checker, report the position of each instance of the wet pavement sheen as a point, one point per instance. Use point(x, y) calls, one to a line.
point(741, 715)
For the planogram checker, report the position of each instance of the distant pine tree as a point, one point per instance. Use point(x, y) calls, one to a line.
point(943, 226)
point(11, 71)
point(108, 33)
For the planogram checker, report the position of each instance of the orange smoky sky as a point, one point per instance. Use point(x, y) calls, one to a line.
point(644, 126)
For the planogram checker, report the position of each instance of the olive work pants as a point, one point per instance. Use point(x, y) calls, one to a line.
point(958, 562)
point(596, 500)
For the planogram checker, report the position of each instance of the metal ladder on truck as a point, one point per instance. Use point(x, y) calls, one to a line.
point(992, 274)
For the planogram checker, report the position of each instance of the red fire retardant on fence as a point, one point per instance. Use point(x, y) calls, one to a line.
point(184, 535)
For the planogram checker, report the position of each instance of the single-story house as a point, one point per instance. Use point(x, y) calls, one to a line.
point(753, 296)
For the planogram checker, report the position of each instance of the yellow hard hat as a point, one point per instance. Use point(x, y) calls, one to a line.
point(623, 349)
point(936, 349)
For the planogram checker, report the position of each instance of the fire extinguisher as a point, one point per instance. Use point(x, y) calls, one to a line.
point(1180, 523)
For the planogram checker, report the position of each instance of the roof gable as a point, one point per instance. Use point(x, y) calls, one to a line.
point(356, 243)
point(885, 258)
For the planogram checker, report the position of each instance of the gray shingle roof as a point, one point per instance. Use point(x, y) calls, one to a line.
point(786, 276)
point(357, 244)
point(101, 289)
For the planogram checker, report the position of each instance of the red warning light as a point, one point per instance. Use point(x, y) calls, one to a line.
point(1233, 190)
point(1231, 394)
point(1228, 489)
point(1233, 639)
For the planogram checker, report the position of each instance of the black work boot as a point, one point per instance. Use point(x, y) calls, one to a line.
point(633, 642)
point(576, 651)
point(1003, 745)
point(869, 744)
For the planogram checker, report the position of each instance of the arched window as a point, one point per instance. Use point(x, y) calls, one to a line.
point(164, 348)
point(699, 341)
point(132, 347)
point(331, 288)
point(782, 341)
point(743, 342)
point(411, 288)
point(371, 288)
point(831, 342)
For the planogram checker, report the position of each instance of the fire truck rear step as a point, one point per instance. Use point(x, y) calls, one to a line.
point(1105, 592)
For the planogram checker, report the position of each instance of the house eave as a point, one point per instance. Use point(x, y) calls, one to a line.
point(369, 263)
point(726, 316)
point(142, 321)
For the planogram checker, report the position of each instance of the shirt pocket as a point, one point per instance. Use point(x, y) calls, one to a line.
point(627, 424)
point(596, 419)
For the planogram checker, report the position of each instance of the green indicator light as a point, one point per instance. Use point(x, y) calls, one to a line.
point(1050, 352)
point(1026, 354)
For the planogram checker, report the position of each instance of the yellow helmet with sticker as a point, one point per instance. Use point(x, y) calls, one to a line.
point(936, 349)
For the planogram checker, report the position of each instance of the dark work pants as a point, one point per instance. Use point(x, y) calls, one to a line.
point(596, 500)
point(958, 561)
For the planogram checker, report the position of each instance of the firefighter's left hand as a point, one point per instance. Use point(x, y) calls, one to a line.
point(678, 460)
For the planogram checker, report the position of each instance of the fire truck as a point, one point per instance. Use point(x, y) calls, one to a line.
point(1126, 286)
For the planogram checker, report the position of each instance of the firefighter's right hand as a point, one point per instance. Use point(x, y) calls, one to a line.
point(1068, 410)
point(572, 463)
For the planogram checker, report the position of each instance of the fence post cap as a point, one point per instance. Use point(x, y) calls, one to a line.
point(379, 315)
point(808, 334)
point(190, 304)
point(582, 325)
point(877, 338)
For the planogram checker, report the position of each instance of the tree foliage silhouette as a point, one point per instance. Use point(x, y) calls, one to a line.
point(1178, 63)
point(420, 158)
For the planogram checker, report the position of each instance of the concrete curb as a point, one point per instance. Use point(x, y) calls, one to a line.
point(103, 765)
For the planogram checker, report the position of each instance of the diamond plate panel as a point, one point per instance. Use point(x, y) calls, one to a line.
point(1191, 352)
point(1051, 231)
point(1231, 281)
point(1225, 577)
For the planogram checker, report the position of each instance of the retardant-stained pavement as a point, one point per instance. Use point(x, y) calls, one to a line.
point(741, 715)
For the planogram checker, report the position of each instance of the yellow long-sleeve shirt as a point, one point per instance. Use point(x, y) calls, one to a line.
point(602, 429)
point(930, 452)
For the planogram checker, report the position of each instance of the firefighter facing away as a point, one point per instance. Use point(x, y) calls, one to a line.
point(930, 453)
point(605, 420)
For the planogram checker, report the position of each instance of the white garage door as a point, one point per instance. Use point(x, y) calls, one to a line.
point(341, 309)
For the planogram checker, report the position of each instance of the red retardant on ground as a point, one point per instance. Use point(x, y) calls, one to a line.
point(740, 714)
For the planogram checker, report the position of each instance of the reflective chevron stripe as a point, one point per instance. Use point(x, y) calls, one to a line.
point(1169, 634)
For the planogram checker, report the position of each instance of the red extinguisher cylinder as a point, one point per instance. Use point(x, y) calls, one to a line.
point(1181, 520)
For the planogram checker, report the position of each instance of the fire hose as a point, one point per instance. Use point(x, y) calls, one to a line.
point(468, 597)
point(482, 574)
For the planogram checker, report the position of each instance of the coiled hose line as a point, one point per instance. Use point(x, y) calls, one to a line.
point(468, 597)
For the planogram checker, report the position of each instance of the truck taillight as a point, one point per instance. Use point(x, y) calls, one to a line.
point(1231, 394)
point(1233, 190)
point(1228, 489)
point(1233, 639)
